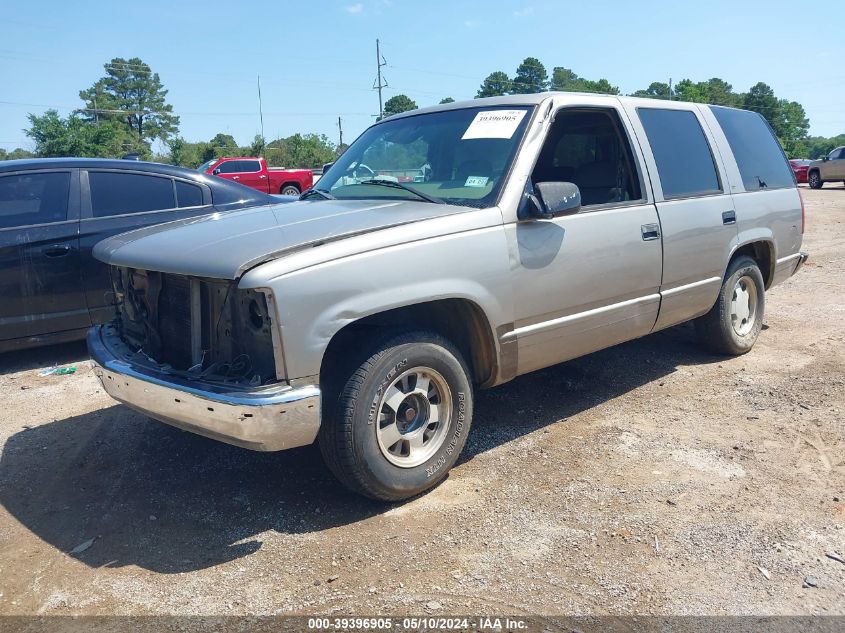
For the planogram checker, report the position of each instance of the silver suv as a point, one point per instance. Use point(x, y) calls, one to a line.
point(830, 168)
point(449, 249)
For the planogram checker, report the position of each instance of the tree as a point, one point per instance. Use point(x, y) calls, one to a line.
point(257, 147)
point(73, 136)
point(133, 94)
point(15, 154)
point(226, 141)
point(656, 90)
point(496, 84)
point(447, 100)
point(530, 77)
point(761, 98)
point(397, 104)
point(566, 80)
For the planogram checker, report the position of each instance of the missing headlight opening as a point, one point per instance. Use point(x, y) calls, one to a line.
point(203, 328)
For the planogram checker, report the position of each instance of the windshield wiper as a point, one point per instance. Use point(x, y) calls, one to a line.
point(401, 185)
point(323, 194)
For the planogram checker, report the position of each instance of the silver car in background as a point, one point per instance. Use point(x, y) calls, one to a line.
point(533, 229)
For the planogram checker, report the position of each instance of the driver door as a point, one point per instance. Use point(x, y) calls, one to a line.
point(590, 280)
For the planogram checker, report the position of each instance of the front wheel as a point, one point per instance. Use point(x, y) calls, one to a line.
point(401, 419)
point(290, 190)
point(815, 180)
point(735, 320)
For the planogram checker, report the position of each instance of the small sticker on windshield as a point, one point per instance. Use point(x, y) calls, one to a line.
point(476, 181)
point(494, 124)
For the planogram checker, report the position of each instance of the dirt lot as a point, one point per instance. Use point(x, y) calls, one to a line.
point(651, 478)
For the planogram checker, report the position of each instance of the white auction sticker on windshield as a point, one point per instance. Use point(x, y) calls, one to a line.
point(494, 124)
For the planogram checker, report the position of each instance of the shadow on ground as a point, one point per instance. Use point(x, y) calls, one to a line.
point(170, 501)
point(41, 357)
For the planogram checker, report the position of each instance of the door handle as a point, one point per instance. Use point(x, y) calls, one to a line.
point(262, 177)
point(236, 177)
point(56, 250)
point(729, 217)
point(650, 232)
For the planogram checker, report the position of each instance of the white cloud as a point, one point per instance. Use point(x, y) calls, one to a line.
point(358, 7)
point(524, 13)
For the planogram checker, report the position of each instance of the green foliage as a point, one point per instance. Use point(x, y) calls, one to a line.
point(495, 84)
point(818, 146)
point(74, 136)
point(224, 141)
point(257, 147)
point(656, 90)
point(15, 154)
point(301, 150)
point(566, 80)
point(134, 95)
point(447, 100)
point(530, 77)
point(397, 104)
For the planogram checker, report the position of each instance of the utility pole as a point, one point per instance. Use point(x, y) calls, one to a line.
point(96, 112)
point(340, 129)
point(380, 62)
point(670, 89)
point(261, 118)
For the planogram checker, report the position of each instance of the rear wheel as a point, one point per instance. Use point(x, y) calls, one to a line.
point(735, 320)
point(290, 190)
point(815, 180)
point(401, 419)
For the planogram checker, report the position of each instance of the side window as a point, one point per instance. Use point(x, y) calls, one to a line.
point(589, 148)
point(836, 154)
point(684, 161)
point(761, 161)
point(188, 195)
point(230, 167)
point(250, 166)
point(115, 193)
point(33, 198)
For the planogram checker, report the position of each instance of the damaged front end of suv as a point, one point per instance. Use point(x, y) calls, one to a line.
point(203, 355)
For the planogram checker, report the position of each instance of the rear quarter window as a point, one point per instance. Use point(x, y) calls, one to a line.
point(684, 160)
point(761, 161)
point(188, 195)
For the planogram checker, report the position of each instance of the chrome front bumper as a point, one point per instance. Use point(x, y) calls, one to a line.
point(265, 419)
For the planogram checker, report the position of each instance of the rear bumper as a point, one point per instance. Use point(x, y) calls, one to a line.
point(265, 419)
point(802, 257)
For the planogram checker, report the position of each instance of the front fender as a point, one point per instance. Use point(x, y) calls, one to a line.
point(315, 303)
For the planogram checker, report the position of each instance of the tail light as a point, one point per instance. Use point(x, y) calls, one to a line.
point(802, 211)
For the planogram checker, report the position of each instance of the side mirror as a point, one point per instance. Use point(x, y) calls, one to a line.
point(215, 172)
point(554, 199)
point(824, 159)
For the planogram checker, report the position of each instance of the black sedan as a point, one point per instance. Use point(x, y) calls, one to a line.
point(53, 212)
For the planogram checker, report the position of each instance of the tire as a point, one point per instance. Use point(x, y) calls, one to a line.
point(290, 190)
point(734, 322)
point(378, 436)
point(814, 180)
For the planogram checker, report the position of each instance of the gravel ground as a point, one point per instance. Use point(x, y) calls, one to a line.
point(650, 478)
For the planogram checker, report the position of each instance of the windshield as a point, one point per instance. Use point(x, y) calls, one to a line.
point(456, 156)
point(204, 167)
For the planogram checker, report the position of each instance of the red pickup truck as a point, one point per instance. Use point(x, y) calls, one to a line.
point(253, 172)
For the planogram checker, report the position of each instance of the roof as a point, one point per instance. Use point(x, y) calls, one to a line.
point(535, 99)
point(102, 163)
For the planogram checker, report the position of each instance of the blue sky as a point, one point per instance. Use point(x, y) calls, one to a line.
point(317, 58)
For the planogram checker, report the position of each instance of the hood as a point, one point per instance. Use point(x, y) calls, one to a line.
point(225, 245)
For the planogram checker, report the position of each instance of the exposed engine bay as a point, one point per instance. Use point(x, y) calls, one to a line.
point(205, 329)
